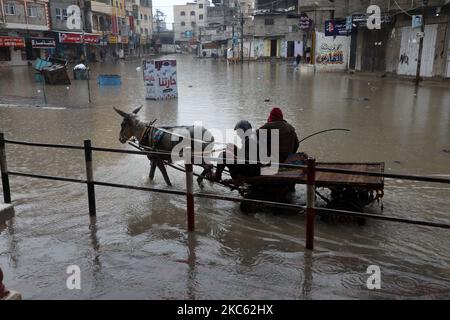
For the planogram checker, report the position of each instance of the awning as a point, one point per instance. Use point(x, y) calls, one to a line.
point(43, 43)
point(17, 42)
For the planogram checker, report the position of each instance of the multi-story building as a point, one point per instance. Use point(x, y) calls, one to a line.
point(391, 48)
point(189, 21)
point(23, 31)
point(276, 29)
point(145, 24)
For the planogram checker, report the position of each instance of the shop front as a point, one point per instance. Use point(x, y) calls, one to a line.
point(12, 51)
point(41, 47)
point(71, 46)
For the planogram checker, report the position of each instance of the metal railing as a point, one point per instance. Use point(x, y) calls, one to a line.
point(310, 207)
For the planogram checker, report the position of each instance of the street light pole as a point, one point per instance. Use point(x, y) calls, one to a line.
point(242, 37)
point(422, 29)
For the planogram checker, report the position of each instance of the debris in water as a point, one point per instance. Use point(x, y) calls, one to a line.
point(267, 100)
point(398, 162)
point(446, 150)
point(138, 69)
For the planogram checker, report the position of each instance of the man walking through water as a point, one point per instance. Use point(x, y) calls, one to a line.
point(298, 59)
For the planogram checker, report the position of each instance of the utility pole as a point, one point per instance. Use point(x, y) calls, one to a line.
point(242, 37)
point(232, 37)
point(422, 29)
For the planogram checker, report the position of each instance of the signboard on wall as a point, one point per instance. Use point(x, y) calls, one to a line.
point(78, 38)
point(160, 79)
point(43, 43)
point(336, 28)
point(417, 21)
point(331, 53)
point(17, 42)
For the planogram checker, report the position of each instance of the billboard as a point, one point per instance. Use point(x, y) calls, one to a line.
point(160, 79)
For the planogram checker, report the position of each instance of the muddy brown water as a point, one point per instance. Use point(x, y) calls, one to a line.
point(141, 249)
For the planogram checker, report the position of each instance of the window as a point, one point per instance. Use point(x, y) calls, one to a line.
point(64, 14)
point(193, 23)
point(200, 6)
point(183, 23)
point(192, 13)
point(141, 16)
point(268, 22)
point(58, 14)
point(146, 31)
point(10, 9)
point(32, 11)
point(145, 17)
point(200, 17)
point(182, 13)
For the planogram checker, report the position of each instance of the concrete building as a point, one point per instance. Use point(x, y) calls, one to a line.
point(275, 29)
point(145, 25)
point(189, 21)
point(393, 48)
point(23, 31)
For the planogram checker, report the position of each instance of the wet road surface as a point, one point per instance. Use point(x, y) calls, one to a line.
point(141, 250)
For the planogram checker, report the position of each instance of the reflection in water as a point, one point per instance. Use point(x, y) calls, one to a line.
point(137, 247)
point(192, 260)
point(308, 274)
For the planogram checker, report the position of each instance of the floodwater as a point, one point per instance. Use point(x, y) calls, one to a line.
point(140, 248)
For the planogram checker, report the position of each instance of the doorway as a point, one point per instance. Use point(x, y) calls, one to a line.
point(273, 48)
point(290, 49)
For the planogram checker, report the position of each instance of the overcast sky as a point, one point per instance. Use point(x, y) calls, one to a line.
point(166, 6)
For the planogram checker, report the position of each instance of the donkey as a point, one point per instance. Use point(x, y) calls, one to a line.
point(163, 140)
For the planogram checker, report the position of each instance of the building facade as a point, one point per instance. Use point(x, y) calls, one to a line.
point(392, 48)
point(190, 21)
point(24, 27)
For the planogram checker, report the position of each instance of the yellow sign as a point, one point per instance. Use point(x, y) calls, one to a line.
point(112, 39)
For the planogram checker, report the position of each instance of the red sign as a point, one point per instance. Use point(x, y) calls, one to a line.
point(91, 39)
point(12, 42)
point(78, 38)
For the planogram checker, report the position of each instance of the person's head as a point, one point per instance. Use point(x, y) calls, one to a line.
point(275, 115)
point(242, 126)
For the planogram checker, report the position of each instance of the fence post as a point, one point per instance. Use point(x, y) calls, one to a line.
point(189, 190)
point(89, 178)
point(4, 170)
point(310, 199)
point(88, 84)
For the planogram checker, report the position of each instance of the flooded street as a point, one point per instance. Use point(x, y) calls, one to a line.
point(141, 249)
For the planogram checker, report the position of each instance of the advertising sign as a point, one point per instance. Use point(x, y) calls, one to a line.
point(43, 43)
point(17, 42)
point(305, 23)
point(416, 21)
point(160, 79)
point(78, 38)
point(336, 28)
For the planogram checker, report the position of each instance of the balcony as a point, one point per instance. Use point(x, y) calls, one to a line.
point(102, 6)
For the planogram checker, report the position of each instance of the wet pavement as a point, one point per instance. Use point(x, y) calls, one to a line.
point(140, 249)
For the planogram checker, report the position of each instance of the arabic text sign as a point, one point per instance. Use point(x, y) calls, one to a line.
point(43, 43)
point(336, 28)
point(160, 79)
point(17, 42)
point(78, 38)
